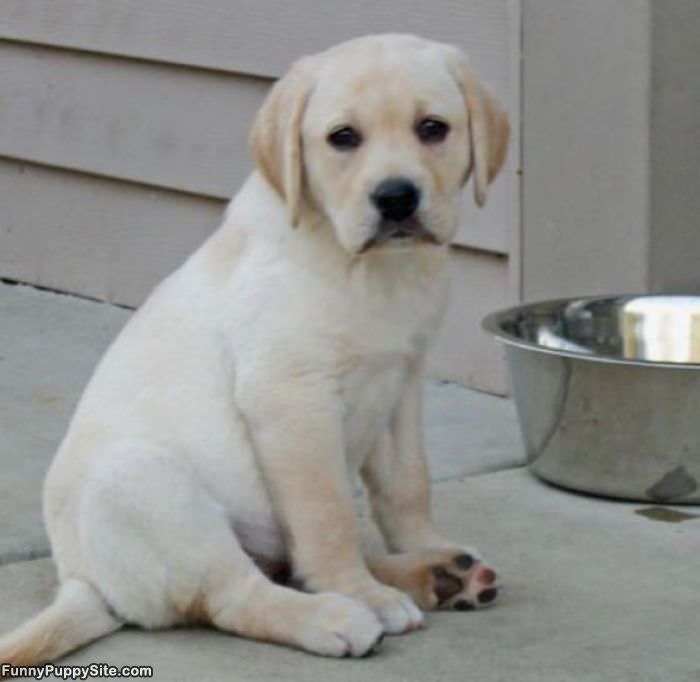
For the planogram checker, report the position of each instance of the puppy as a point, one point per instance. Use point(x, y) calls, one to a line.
point(215, 444)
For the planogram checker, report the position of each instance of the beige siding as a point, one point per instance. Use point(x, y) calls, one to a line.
point(463, 352)
point(162, 125)
point(92, 236)
point(675, 147)
point(254, 36)
point(129, 121)
point(586, 147)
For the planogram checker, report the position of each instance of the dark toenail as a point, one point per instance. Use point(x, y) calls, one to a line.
point(463, 605)
point(464, 561)
point(488, 595)
point(487, 576)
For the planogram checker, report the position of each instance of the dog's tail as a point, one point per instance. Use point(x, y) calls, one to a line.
point(77, 616)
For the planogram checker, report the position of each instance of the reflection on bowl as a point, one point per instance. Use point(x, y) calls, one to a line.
point(608, 393)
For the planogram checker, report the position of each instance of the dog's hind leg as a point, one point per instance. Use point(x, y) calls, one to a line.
point(163, 552)
point(326, 623)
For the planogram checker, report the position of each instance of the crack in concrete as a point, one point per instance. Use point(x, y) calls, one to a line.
point(70, 294)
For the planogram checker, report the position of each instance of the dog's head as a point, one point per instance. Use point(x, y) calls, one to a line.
point(378, 135)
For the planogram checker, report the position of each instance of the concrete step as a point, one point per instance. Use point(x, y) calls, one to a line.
point(595, 592)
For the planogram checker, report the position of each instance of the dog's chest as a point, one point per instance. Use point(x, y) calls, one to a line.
point(370, 393)
point(374, 367)
point(373, 373)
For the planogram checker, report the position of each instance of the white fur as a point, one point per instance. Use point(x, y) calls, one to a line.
point(226, 421)
point(160, 421)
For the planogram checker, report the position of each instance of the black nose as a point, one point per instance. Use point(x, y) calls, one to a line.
point(396, 198)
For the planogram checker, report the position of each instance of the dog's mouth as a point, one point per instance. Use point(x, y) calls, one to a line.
point(399, 231)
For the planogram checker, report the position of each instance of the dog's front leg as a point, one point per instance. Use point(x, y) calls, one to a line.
point(298, 437)
point(436, 572)
point(397, 477)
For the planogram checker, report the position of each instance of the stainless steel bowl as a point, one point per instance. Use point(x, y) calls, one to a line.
point(608, 392)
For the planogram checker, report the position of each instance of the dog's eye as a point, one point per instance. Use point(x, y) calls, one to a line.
point(430, 130)
point(345, 138)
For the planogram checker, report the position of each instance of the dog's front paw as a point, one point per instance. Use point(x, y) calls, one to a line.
point(452, 578)
point(459, 580)
point(341, 627)
point(395, 610)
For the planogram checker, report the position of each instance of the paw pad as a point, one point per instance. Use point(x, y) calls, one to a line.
point(463, 583)
point(488, 595)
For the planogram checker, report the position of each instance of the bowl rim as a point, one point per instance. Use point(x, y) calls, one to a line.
point(492, 323)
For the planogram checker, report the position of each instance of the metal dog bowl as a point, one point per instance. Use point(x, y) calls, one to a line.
point(608, 393)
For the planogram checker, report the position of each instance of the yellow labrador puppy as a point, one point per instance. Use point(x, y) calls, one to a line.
point(216, 441)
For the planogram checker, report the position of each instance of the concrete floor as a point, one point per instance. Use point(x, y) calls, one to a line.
point(594, 590)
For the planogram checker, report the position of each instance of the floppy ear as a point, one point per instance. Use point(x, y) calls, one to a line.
point(489, 129)
point(276, 135)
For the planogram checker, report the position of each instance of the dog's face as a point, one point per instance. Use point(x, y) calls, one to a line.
point(379, 135)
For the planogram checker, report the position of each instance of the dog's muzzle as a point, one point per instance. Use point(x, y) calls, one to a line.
point(397, 199)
